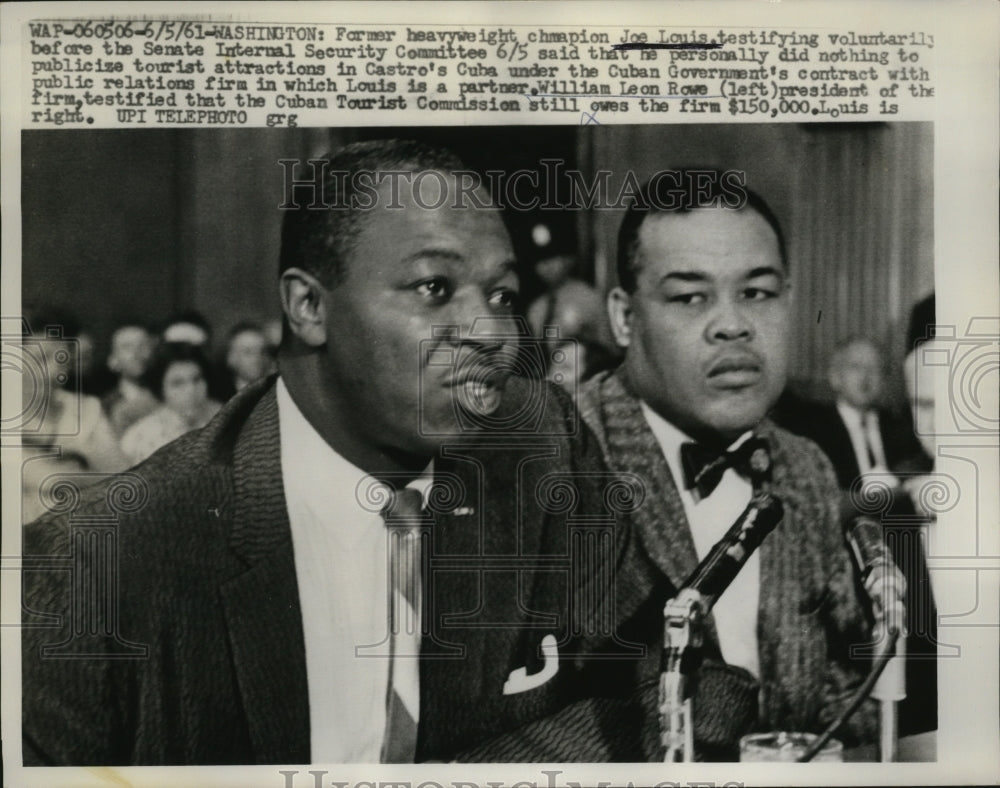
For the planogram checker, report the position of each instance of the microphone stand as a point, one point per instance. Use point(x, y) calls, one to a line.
point(683, 635)
point(890, 689)
point(684, 617)
point(886, 588)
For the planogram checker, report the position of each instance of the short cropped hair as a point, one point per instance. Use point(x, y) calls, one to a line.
point(702, 188)
point(319, 238)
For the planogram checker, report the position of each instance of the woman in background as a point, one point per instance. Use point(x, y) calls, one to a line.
point(179, 376)
point(63, 433)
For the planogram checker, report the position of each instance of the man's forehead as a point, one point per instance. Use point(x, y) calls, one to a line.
point(433, 211)
point(389, 238)
point(722, 238)
point(431, 188)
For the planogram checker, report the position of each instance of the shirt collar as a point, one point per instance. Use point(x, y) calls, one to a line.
point(852, 415)
point(671, 438)
point(314, 469)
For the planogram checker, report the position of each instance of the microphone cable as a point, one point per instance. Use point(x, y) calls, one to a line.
point(878, 666)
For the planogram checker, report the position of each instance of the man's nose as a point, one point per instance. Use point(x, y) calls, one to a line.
point(476, 324)
point(729, 322)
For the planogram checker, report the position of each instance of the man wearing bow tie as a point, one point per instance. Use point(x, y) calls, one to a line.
point(702, 312)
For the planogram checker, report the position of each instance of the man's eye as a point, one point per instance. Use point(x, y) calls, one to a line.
point(436, 288)
point(687, 298)
point(759, 293)
point(504, 299)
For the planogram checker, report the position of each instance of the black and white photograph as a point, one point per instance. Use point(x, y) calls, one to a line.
point(176, 271)
point(357, 450)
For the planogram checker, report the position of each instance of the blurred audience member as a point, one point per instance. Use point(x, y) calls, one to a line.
point(546, 276)
point(66, 419)
point(860, 438)
point(570, 320)
point(179, 377)
point(131, 350)
point(248, 356)
point(573, 305)
point(919, 377)
point(190, 327)
point(922, 317)
point(555, 269)
point(92, 377)
point(59, 422)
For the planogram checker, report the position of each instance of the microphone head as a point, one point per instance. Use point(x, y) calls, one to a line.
point(882, 579)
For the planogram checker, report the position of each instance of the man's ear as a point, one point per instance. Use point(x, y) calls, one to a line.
point(304, 306)
point(620, 316)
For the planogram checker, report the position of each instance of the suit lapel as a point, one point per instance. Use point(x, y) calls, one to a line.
point(262, 605)
point(783, 574)
point(660, 522)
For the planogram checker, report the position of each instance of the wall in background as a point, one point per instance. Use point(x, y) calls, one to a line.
point(99, 235)
point(140, 225)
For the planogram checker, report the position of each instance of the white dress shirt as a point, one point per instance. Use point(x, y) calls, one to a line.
point(864, 431)
point(735, 612)
point(340, 551)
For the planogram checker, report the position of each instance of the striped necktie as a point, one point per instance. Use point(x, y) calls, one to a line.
point(406, 524)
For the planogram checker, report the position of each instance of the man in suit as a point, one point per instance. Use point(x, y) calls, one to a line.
point(702, 313)
point(860, 438)
point(244, 618)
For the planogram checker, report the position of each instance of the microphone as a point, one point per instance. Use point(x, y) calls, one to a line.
point(886, 587)
point(881, 578)
point(720, 567)
point(682, 619)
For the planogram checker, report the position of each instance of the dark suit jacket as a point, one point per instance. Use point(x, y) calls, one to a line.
point(808, 614)
point(822, 424)
point(186, 594)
